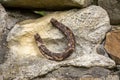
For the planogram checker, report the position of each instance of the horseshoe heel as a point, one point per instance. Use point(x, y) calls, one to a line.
point(70, 46)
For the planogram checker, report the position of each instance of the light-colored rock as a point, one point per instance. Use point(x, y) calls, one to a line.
point(25, 61)
point(47, 4)
point(113, 9)
point(112, 45)
point(7, 21)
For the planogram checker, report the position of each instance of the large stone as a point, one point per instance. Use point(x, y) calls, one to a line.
point(73, 73)
point(25, 61)
point(109, 77)
point(113, 9)
point(112, 45)
point(47, 4)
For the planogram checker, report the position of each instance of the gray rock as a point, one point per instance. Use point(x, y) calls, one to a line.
point(3, 26)
point(109, 77)
point(73, 73)
point(101, 50)
point(25, 61)
point(113, 9)
point(47, 4)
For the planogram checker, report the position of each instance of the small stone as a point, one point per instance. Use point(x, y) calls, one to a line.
point(112, 45)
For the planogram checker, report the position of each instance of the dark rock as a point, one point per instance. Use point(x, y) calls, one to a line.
point(73, 73)
point(47, 4)
point(16, 16)
point(113, 9)
point(101, 50)
point(3, 25)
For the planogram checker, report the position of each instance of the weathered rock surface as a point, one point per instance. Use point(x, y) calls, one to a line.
point(113, 9)
point(112, 45)
point(3, 26)
point(25, 61)
point(47, 4)
point(73, 73)
point(109, 77)
point(7, 20)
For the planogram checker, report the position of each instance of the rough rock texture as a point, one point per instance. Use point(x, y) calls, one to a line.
point(25, 61)
point(73, 73)
point(109, 77)
point(3, 25)
point(112, 45)
point(7, 20)
point(47, 4)
point(113, 9)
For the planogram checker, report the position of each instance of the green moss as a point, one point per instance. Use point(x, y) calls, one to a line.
point(42, 13)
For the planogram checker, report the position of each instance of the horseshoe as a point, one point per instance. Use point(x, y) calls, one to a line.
point(70, 44)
